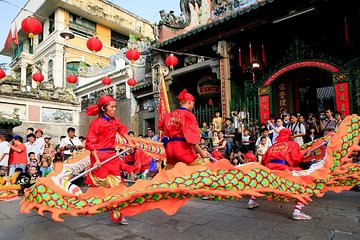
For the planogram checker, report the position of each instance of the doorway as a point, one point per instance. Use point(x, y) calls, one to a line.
point(304, 91)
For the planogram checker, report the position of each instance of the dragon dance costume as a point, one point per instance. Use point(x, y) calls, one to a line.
point(169, 190)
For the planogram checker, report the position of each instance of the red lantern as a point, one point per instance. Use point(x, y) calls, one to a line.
point(131, 82)
point(72, 79)
point(31, 26)
point(38, 77)
point(171, 61)
point(106, 80)
point(94, 44)
point(2, 74)
point(132, 54)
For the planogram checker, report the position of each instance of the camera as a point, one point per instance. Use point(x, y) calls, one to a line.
point(322, 117)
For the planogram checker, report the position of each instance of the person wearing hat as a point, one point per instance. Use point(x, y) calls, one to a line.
point(40, 141)
point(101, 142)
point(18, 155)
point(48, 149)
point(284, 155)
point(4, 153)
point(182, 130)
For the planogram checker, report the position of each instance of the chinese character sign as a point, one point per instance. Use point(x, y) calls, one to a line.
point(264, 108)
point(342, 98)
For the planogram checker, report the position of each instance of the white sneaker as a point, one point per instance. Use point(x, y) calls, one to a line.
point(301, 216)
point(123, 221)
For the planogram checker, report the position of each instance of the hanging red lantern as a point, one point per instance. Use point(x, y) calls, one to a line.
point(171, 61)
point(2, 74)
point(94, 44)
point(106, 80)
point(31, 26)
point(132, 54)
point(72, 79)
point(131, 82)
point(38, 77)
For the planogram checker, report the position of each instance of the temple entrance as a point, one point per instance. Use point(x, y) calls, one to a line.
point(306, 90)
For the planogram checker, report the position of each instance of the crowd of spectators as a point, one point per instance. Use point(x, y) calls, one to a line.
point(233, 139)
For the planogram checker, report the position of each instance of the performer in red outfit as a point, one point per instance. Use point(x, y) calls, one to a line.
point(284, 155)
point(139, 160)
point(182, 129)
point(101, 142)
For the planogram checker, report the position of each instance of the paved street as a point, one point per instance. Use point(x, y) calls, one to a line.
point(335, 216)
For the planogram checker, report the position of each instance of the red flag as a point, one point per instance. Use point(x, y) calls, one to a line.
point(263, 54)
point(8, 41)
point(15, 36)
point(164, 107)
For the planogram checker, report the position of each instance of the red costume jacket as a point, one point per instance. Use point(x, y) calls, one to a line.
point(284, 154)
point(139, 160)
point(101, 137)
point(183, 131)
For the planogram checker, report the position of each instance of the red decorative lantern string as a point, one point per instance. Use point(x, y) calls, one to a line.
point(171, 61)
point(72, 79)
point(346, 31)
point(31, 26)
point(106, 80)
point(38, 77)
point(132, 54)
point(240, 58)
point(250, 54)
point(2, 74)
point(131, 82)
point(263, 55)
point(94, 44)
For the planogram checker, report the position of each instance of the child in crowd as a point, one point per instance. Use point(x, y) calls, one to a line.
point(34, 174)
point(245, 141)
point(215, 139)
point(217, 122)
point(45, 168)
point(262, 148)
point(202, 143)
point(204, 131)
point(32, 160)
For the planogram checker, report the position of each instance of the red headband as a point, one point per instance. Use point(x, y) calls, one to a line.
point(184, 96)
point(93, 110)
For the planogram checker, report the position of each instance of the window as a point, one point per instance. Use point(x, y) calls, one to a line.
point(50, 71)
point(18, 50)
point(118, 40)
point(72, 68)
point(41, 35)
point(82, 26)
point(51, 23)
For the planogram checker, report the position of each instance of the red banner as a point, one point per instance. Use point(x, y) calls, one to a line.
point(342, 98)
point(264, 108)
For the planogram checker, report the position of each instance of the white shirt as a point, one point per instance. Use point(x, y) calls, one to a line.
point(41, 143)
point(32, 148)
point(74, 142)
point(4, 148)
point(296, 129)
point(268, 142)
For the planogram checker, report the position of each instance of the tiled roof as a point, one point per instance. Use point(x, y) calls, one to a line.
point(214, 23)
point(141, 85)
